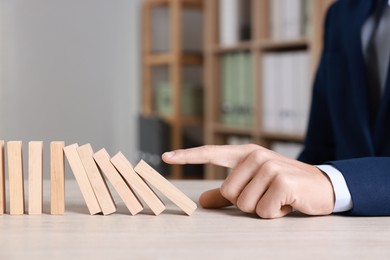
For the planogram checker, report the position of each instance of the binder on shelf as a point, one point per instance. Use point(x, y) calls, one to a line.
point(286, 92)
point(234, 22)
point(289, 19)
point(304, 92)
point(237, 89)
point(269, 93)
point(287, 115)
point(248, 78)
point(229, 22)
point(240, 101)
point(227, 109)
point(191, 103)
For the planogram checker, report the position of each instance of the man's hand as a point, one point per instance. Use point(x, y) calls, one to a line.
point(262, 181)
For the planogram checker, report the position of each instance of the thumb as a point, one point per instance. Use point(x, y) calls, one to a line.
point(213, 199)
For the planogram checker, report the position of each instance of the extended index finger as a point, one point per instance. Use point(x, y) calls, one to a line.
point(222, 155)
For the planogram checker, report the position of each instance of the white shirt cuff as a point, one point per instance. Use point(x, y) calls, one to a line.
point(343, 201)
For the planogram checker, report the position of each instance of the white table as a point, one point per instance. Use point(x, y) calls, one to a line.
point(207, 234)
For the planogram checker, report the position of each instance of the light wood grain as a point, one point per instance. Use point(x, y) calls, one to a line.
point(15, 177)
point(2, 179)
point(102, 159)
point(96, 179)
point(165, 187)
point(207, 234)
point(35, 177)
point(187, 3)
point(126, 170)
point(57, 178)
point(82, 179)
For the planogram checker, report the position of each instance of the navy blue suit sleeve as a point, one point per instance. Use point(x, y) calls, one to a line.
point(319, 142)
point(368, 180)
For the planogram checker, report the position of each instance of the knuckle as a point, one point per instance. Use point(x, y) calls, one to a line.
point(261, 212)
point(245, 206)
point(282, 181)
point(257, 155)
point(228, 192)
point(270, 166)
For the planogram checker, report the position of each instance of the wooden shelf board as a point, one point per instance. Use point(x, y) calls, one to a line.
point(196, 59)
point(184, 120)
point(198, 4)
point(243, 46)
point(266, 45)
point(159, 59)
point(302, 43)
point(282, 137)
point(167, 58)
point(193, 3)
point(220, 128)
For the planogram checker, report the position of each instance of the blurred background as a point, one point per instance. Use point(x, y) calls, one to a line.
point(144, 77)
point(70, 71)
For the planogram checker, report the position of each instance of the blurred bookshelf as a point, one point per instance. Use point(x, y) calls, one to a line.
point(260, 57)
point(172, 87)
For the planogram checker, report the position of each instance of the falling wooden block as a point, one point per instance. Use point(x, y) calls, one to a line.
point(102, 158)
point(165, 187)
point(134, 180)
point(57, 178)
point(35, 177)
point(15, 177)
point(82, 179)
point(97, 181)
point(2, 179)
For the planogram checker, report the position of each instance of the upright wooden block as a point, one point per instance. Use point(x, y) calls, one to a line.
point(15, 177)
point(82, 179)
point(102, 158)
point(165, 187)
point(57, 178)
point(2, 179)
point(35, 177)
point(97, 181)
point(126, 170)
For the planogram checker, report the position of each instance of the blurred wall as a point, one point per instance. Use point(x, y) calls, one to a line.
point(69, 70)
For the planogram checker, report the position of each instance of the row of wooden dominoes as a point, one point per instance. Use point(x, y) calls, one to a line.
point(89, 169)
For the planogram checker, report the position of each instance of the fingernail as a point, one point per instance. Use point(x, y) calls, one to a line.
point(169, 154)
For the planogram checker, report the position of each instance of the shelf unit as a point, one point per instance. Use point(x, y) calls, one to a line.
point(259, 44)
point(175, 58)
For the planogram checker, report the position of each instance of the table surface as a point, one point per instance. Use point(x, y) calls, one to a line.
point(208, 234)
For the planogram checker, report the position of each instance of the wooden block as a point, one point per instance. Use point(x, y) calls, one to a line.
point(165, 187)
point(82, 179)
point(15, 177)
point(102, 158)
point(2, 179)
point(57, 178)
point(96, 179)
point(126, 170)
point(35, 177)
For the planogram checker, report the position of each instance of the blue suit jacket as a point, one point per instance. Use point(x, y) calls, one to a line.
point(339, 131)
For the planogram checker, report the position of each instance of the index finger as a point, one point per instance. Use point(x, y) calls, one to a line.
point(222, 155)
